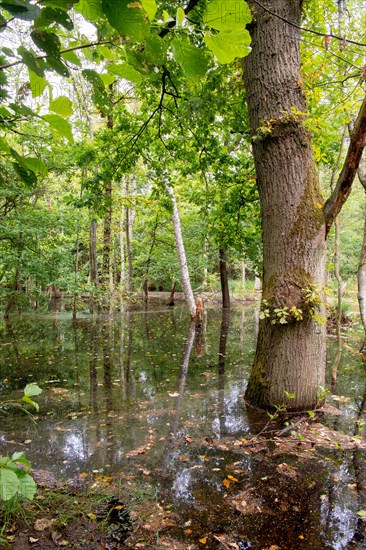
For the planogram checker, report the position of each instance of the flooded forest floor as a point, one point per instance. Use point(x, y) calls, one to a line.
point(143, 439)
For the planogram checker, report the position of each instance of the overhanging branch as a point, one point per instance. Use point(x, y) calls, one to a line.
point(334, 204)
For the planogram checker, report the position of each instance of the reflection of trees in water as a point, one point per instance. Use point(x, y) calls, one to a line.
point(225, 323)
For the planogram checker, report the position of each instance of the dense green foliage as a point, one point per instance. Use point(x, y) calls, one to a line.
point(101, 102)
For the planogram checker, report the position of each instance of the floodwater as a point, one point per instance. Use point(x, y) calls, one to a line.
point(139, 394)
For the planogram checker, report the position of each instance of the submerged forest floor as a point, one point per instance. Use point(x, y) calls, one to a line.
point(290, 456)
point(143, 438)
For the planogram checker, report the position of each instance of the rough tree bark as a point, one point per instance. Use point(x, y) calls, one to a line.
point(183, 266)
point(289, 357)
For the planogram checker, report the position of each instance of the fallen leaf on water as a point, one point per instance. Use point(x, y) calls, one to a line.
point(233, 478)
point(188, 531)
point(174, 394)
point(203, 540)
point(42, 524)
point(183, 458)
point(226, 482)
point(59, 391)
point(301, 537)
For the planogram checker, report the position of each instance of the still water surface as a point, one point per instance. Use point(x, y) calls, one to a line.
point(141, 394)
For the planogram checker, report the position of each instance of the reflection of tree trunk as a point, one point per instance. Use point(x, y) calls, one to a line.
point(107, 378)
point(225, 322)
point(130, 379)
point(183, 266)
point(360, 473)
point(11, 301)
point(361, 278)
point(187, 350)
point(94, 344)
point(171, 302)
point(242, 329)
point(224, 279)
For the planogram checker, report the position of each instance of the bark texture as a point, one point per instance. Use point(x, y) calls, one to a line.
point(289, 357)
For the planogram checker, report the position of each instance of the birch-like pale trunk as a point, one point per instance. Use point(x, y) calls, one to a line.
point(183, 266)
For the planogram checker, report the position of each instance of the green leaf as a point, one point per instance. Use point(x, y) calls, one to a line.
point(20, 457)
point(226, 46)
point(107, 78)
point(227, 15)
point(32, 390)
point(49, 42)
point(90, 9)
point(93, 78)
point(54, 15)
point(4, 146)
point(56, 64)
point(106, 52)
point(180, 16)
point(21, 10)
point(192, 60)
point(62, 105)
point(35, 164)
point(62, 126)
point(72, 58)
point(36, 65)
point(37, 83)
point(127, 17)
point(29, 401)
point(9, 484)
point(125, 71)
point(150, 8)
point(28, 486)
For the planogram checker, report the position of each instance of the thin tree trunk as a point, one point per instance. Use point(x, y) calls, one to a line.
point(224, 279)
point(106, 261)
point(148, 262)
point(171, 302)
point(128, 229)
point(184, 273)
point(337, 272)
point(243, 276)
point(11, 301)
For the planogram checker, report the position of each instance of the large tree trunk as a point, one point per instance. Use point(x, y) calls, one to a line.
point(184, 273)
point(289, 357)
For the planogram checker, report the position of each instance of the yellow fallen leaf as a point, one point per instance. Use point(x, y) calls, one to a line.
point(92, 516)
point(119, 507)
point(301, 537)
point(233, 478)
point(226, 482)
point(203, 540)
point(188, 531)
